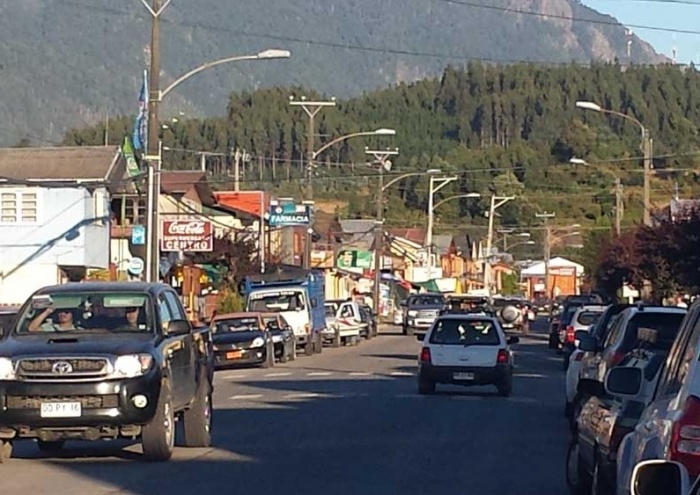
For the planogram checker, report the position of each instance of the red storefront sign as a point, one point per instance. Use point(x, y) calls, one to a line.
point(189, 235)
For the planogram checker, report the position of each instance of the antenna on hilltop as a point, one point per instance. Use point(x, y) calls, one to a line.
point(674, 50)
point(628, 35)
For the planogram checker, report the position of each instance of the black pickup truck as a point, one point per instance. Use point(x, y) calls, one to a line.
point(105, 360)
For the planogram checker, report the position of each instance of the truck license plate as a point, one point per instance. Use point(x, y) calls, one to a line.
point(61, 410)
point(463, 376)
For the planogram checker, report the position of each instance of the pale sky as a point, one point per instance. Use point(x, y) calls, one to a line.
point(659, 13)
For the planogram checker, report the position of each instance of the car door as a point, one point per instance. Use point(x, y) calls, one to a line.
point(189, 348)
point(175, 352)
point(456, 342)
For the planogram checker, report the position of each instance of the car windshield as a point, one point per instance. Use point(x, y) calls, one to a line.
point(275, 302)
point(83, 312)
point(241, 324)
point(330, 310)
point(501, 303)
point(467, 332)
point(588, 318)
point(568, 313)
point(427, 301)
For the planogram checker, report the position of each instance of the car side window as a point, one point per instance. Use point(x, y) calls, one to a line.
point(164, 312)
point(680, 357)
point(175, 307)
point(614, 331)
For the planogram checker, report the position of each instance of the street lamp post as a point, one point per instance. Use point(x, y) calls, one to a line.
point(496, 202)
point(154, 152)
point(647, 145)
point(436, 183)
point(382, 159)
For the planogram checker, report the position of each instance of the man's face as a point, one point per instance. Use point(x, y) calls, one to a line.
point(132, 315)
point(65, 316)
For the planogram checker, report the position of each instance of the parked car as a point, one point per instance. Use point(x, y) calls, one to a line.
point(103, 360)
point(583, 319)
point(670, 424)
point(466, 350)
point(659, 476)
point(242, 339)
point(371, 328)
point(420, 311)
point(345, 326)
point(510, 313)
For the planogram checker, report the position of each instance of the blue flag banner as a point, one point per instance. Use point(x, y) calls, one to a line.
point(140, 137)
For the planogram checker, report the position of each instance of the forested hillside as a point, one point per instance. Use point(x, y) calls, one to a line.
point(67, 63)
point(509, 130)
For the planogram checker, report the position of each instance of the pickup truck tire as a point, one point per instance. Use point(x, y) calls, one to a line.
point(293, 354)
point(309, 347)
point(158, 436)
point(5, 450)
point(336, 338)
point(319, 342)
point(197, 420)
point(50, 447)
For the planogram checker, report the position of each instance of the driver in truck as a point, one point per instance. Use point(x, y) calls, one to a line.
point(62, 322)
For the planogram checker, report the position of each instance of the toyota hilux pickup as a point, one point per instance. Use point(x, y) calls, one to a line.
point(105, 360)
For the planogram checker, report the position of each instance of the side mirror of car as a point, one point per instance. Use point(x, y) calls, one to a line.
point(513, 340)
point(178, 327)
point(623, 381)
point(585, 342)
point(660, 476)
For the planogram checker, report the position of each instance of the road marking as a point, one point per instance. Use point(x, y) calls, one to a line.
point(528, 375)
point(246, 397)
point(232, 375)
point(270, 375)
point(319, 373)
point(302, 396)
point(360, 373)
point(401, 373)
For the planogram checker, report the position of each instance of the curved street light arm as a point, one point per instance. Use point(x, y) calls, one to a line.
point(201, 68)
point(342, 138)
point(400, 178)
point(626, 117)
point(458, 196)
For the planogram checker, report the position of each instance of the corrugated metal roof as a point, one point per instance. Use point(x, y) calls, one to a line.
point(59, 163)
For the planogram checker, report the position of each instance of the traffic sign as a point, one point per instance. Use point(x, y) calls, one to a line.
point(138, 235)
point(136, 266)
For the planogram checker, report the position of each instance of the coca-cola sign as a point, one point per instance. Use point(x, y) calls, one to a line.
point(190, 234)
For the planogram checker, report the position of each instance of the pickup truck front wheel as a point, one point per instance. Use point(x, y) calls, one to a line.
point(158, 437)
point(197, 420)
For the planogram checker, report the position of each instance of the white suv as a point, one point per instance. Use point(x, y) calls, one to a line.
point(466, 350)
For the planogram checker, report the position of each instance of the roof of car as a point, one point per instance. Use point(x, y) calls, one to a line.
point(597, 308)
point(656, 309)
point(147, 287)
point(466, 316)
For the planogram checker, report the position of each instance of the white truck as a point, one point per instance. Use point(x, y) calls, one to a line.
point(343, 323)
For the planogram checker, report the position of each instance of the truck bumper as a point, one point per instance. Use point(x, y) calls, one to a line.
point(50, 411)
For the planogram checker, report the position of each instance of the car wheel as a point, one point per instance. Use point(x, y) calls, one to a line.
point(5, 450)
point(425, 386)
point(600, 485)
point(50, 447)
point(284, 355)
point(158, 436)
point(309, 347)
point(293, 353)
point(336, 338)
point(318, 343)
point(197, 420)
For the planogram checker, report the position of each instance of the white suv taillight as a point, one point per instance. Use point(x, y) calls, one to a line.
point(685, 439)
point(425, 355)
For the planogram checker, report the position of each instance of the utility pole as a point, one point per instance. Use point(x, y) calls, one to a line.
point(436, 183)
point(647, 145)
point(545, 216)
point(496, 202)
point(619, 206)
point(381, 158)
point(154, 151)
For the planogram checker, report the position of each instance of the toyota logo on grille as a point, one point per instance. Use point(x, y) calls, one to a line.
point(62, 368)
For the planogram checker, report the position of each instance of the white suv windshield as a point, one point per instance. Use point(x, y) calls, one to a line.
point(275, 302)
point(464, 332)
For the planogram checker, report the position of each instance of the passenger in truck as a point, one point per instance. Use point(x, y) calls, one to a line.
point(61, 320)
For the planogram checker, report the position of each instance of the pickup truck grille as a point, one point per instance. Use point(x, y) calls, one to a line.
point(87, 401)
point(428, 313)
point(62, 368)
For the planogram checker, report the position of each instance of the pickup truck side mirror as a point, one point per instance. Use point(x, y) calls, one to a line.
point(585, 341)
point(178, 327)
point(623, 381)
point(659, 476)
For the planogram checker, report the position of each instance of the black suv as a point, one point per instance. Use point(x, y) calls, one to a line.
point(105, 360)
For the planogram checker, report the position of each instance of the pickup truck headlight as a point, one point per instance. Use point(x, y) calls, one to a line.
point(132, 365)
point(258, 342)
point(413, 312)
point(7, 369)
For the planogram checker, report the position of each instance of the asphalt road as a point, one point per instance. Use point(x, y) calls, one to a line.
point(348, 421)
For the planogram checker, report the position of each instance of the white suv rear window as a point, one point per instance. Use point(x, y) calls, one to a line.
point(588, 318)
point(451, 331)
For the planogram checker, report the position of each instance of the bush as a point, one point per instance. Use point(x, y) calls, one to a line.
point(230, 301)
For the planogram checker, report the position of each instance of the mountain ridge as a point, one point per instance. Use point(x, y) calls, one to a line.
point(66, 63)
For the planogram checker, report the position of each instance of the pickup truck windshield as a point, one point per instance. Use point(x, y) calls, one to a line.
point(276, 302)
point(236, 325)
point(427, 301)
point(76, 312)
point(465, 332)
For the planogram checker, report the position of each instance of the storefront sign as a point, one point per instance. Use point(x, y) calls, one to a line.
point(353, 258)
point(188, 235)
point(289, 214)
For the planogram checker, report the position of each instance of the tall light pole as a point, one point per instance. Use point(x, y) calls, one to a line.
point(154, 155)
point(506, 232)
point(647, 150)
point(381, 158)
point(436, 183)
point(496, 202)
point(545, 216)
